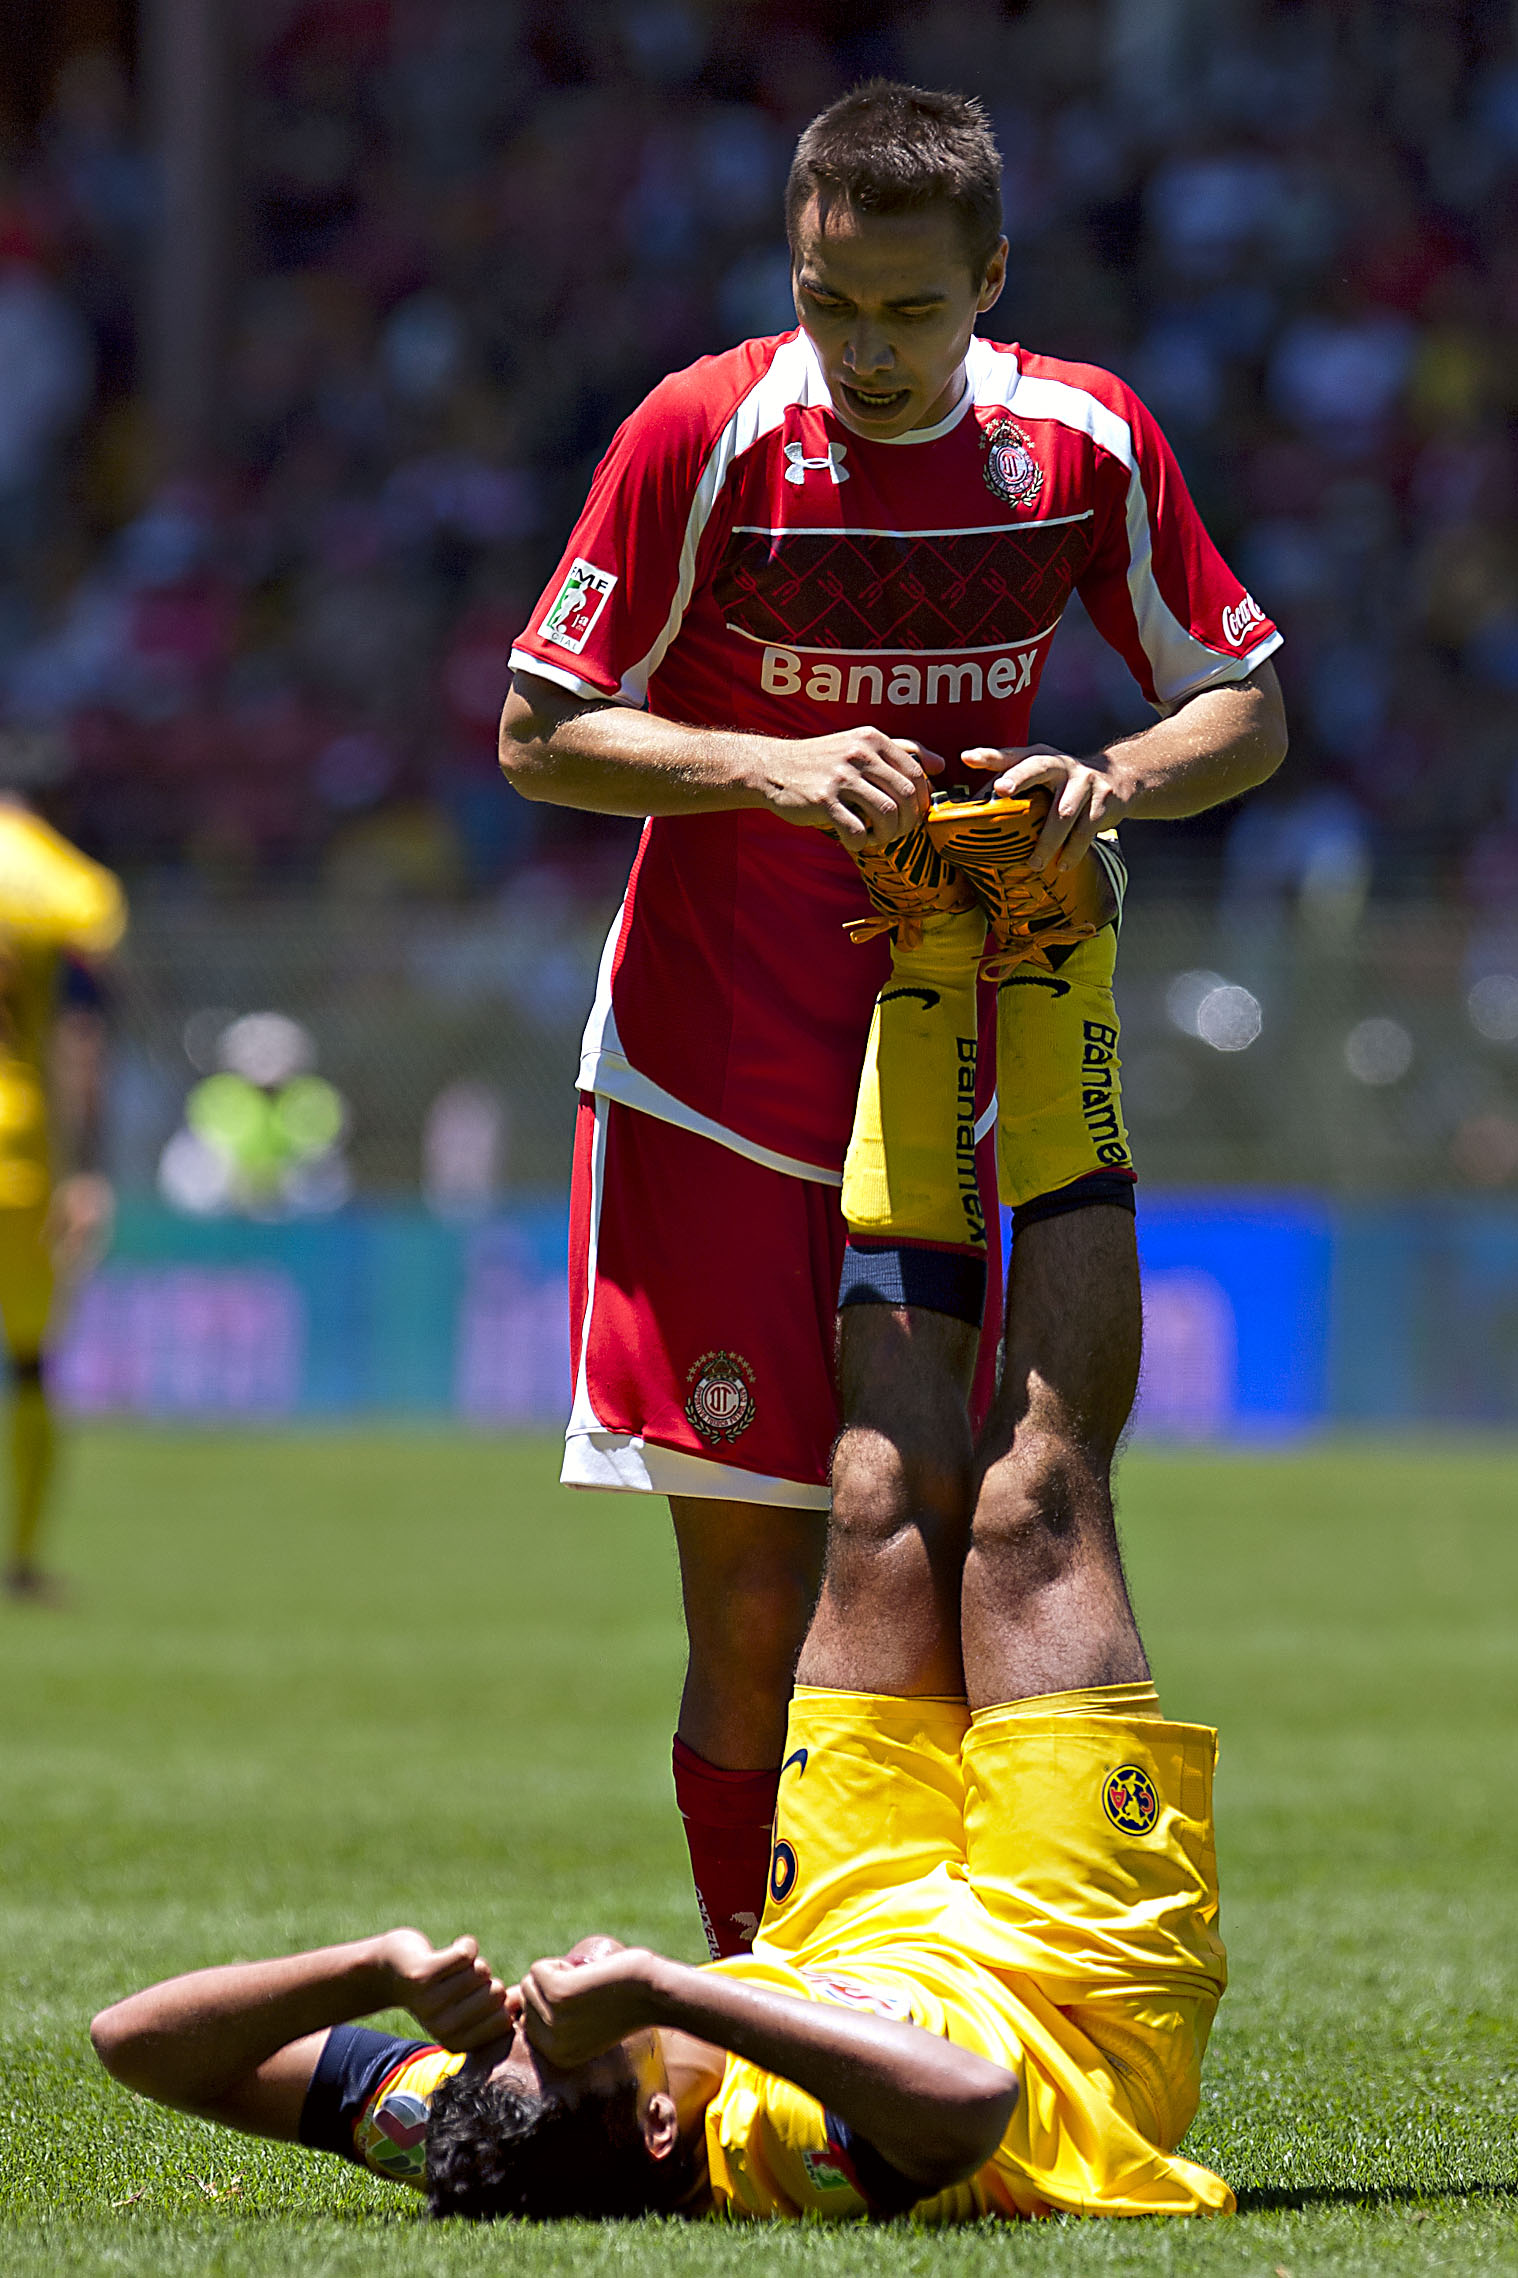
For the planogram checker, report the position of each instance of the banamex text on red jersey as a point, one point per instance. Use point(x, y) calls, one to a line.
point(745, 560)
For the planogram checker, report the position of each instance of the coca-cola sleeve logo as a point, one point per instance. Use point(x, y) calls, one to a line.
point(1240, 621)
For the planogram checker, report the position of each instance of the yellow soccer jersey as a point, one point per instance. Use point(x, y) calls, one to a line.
point(1072, 2145)
point(52, 894)
point(53, 899)
point(773, 2151)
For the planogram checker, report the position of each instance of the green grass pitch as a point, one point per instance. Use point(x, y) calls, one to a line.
point(316, 1685)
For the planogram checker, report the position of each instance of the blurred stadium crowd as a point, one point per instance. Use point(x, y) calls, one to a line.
point(474, 233)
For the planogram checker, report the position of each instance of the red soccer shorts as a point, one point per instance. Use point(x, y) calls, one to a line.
point(703, 1290)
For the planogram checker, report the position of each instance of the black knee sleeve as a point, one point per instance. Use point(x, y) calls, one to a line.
point(1112, 1187)
point(902, 1273)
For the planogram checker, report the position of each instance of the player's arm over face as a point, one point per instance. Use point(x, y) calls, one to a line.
point(240, 2044)
point(555, 746)
point(934, 2110)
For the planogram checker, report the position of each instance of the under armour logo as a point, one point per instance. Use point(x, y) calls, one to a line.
point(829, 462)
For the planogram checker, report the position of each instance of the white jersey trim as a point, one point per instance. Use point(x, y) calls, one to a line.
point(1181, 664)
point(957, 530)
point(757, 414)
point(522, 660)
point(582, 1417)
point(625, 1463)
point(981, 648)
point(1243, 666)
point(606, 1070)
point(612, 1076)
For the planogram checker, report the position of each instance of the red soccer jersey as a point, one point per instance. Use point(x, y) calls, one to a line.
point(745, 560)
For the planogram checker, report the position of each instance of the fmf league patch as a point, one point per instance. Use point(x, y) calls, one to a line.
point(1130, 1801)
point(577, 604)
point(720, 1401)
point(1011, 470)
point(392, 2136)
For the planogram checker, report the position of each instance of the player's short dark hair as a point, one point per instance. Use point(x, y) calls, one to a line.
point(886, 148)
point(496, 2148)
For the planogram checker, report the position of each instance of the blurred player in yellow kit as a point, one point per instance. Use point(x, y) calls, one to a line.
point(982, 1985)
point(59, 913)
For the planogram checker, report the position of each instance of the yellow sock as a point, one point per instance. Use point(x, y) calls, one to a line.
point(1086, 1700)
point(32, 1449)
point(909, 1174)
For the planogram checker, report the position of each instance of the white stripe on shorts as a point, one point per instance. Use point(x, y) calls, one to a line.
point(625, 1462)
point(622, 1460)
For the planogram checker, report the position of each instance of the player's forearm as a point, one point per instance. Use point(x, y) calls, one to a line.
point(611, 760)
point(1220, 745)
point(192, 2039)
point(934, 2110)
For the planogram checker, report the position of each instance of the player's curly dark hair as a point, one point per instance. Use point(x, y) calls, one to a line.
point(887, 148)
point(495, 2148)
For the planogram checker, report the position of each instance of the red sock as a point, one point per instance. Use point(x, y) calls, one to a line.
point(729, 1822)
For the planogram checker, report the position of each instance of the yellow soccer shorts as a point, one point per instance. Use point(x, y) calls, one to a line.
point(1049, 1898)
point(909, 1175)
point(26, 1280)
point(871, 1801)
point(1090, 1850)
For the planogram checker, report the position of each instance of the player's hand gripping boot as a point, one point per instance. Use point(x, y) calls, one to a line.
point(907, 881)
point(991, 842)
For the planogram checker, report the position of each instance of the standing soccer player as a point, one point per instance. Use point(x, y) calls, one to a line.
point(817, 576)
point(59, 913)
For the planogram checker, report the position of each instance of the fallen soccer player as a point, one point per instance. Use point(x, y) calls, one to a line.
point(931, 2027)
point(982, 1985)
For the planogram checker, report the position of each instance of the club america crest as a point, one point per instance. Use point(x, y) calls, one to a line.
point(1130, 1800)
point(1011, 470)
point(720, 1402)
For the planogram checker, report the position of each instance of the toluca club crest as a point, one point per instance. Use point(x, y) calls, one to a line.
point(1011, 470)
point(720, 1402)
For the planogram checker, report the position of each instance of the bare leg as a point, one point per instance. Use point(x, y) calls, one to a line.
point(749, 1574)
point(888, 1617)
point(1045, 1605)
point(33, 1453)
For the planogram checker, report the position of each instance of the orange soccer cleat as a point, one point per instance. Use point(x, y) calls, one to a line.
point(907, 881)
point(991, 842)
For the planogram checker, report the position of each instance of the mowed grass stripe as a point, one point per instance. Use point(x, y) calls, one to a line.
point(312, 1685)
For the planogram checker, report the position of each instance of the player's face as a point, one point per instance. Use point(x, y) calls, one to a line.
point(636, 2058)
point(890, 302)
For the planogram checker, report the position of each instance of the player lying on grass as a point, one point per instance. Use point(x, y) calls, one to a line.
point(983, 1982)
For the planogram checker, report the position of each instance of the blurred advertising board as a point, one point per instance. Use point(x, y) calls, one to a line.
point(1264, 1316)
